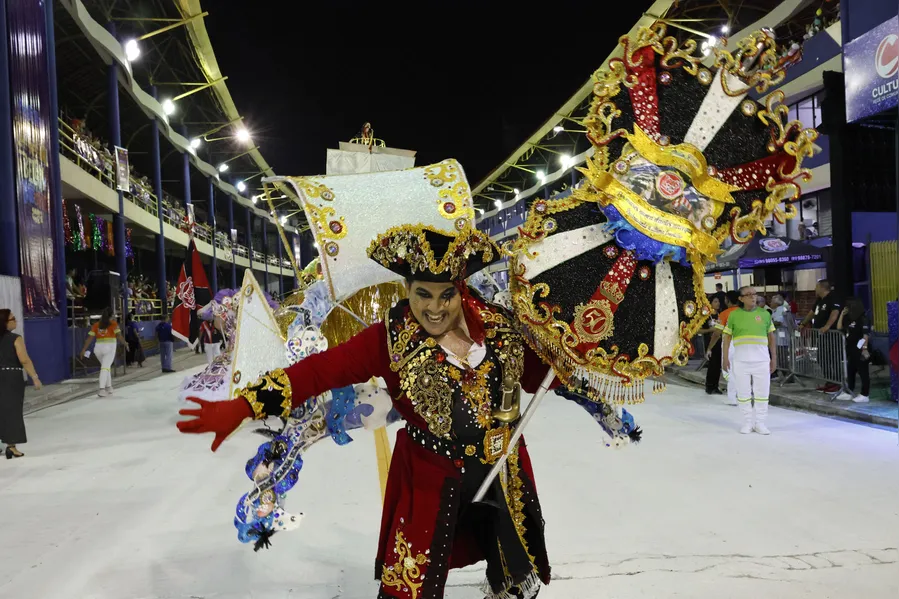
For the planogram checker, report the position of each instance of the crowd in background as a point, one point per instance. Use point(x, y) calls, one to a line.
point(830, 315)
point(142, 296)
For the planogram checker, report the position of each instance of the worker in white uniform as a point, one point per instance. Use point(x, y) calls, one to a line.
point(751, 360)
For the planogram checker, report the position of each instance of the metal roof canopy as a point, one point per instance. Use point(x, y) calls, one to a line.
point(166, 58)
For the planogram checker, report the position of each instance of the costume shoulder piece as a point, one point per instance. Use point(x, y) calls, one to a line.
point(405, 337)
point(607, 283)
point(495, 316)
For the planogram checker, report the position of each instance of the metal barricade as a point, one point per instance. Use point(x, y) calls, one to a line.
point(784, 332)
point(145, 308)
point(819, 356)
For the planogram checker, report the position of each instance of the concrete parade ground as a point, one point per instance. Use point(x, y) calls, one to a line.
point(111, 502)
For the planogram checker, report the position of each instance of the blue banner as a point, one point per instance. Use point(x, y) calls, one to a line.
point(871, 65)
point(30, 87)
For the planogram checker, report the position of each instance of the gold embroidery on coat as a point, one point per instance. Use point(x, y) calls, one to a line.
point(406, 572)
point(516, 505)
point(425, 384)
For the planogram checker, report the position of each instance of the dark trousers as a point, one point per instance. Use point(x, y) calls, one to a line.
point(135, 352)
point(856, 364)
point(713, 375)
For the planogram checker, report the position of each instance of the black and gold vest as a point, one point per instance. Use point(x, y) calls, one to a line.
point(455, 403)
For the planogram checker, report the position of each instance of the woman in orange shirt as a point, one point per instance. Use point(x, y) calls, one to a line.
point(105, 334)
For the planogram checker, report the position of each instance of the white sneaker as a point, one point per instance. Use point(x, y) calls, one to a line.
point(731, 402)
point(110, 390)
point(103, 393)
point(860, 399)
point(844, 396)
point(747, 428)
point(761, 429)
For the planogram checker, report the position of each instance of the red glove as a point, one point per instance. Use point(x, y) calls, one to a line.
point(219, 417)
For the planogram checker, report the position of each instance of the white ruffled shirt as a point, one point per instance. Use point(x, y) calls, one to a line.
point(476, 353)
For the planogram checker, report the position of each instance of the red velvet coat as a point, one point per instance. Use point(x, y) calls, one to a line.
point(421, 538)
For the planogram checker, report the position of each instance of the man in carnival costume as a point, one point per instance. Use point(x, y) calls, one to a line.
point(448, 359)
point(606, 285)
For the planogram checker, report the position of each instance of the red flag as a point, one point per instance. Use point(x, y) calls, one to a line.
point(193, 293)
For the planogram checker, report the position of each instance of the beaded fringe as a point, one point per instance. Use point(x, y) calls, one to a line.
point(612, 389)
point(596, 386)
point(527, 588)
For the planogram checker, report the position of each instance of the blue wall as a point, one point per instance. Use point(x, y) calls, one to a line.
point(873, 226)
point(822, 157)
point(42, 341)
point(860, 16)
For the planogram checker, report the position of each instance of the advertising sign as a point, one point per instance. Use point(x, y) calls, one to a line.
point(122, 172)
point(31, 119)
point(871, 65)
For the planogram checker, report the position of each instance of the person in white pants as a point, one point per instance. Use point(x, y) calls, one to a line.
point(106, 335)
point(751, 358)
point(211, 339)
point(731, 382)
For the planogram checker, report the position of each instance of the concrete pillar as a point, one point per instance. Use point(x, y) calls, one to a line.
point(115, 134)
point(231, 228)
point(161, 286)
point(211, 219)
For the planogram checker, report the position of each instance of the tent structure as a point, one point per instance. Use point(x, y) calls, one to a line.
point(773, 251)
point(728, 259)
point(766, 251)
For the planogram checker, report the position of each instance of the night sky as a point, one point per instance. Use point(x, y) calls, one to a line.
point(467, 82)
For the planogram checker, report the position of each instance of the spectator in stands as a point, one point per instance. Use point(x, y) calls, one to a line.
point(13, 359)
point(854, 323)
point(105, 335)
point(70, 284)
point(166, 343)
point(72, 290)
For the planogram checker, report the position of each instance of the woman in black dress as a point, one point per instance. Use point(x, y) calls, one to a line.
point(13, 359)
